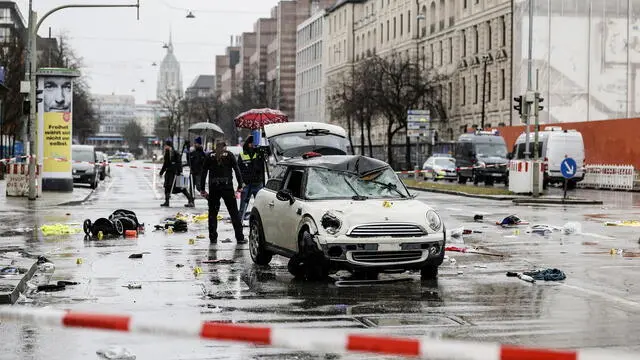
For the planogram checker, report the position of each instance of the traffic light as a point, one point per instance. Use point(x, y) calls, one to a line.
point(539, 100)
point(518, 105)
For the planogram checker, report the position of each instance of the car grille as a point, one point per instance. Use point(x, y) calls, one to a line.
point(388, 230)
point(377, 257)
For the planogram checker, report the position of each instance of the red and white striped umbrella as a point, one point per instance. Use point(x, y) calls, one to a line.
point(255, 119)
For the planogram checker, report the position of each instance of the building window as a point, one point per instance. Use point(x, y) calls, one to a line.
point(387, 30)
point(476, 86)
point(503, 31)
point(450, 90)
point(464, 4)
point(503, 83)
point(463, 92)
point(381, 33)
point(477, 38)
point(401, 24)
point(464, 43)
point(450, 50)
point(433, 55)
point(394, 28)
point(488, 89)
point(489, 35)
point(441, 51)
point(409, 22)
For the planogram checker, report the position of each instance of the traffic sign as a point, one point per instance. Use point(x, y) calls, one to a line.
point(568, 168)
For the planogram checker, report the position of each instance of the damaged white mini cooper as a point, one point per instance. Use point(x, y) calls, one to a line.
point(343, 212)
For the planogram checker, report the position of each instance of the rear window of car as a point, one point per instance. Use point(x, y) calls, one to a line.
point(83, 155)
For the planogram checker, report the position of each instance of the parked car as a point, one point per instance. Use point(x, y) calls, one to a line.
point(85, 167)
point(482, 157)
point(340, 212)
point(440, 168)
point(554, 144)
point(105, 167)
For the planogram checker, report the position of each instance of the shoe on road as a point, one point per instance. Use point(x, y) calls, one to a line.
point(165, 204)
point(190, 205)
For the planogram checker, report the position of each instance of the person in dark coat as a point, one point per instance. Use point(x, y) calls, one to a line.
point(196, 160)
point(251, 164)
point(220, 166)
point(172, 167)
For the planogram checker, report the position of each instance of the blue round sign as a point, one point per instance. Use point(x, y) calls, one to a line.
point(568, 168)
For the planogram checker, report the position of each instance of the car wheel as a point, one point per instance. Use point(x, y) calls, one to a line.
point(119, 228)
point(476, 180)
point(462, 180)
point(296, 267)
point(310, 260)
point(429, 272)
point(94, 183)
point(488, 182)
point(259, 254)
point(102, 176)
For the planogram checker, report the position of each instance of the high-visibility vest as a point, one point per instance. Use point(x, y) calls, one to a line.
point(246, 157)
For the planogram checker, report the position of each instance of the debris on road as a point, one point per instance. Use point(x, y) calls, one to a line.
point(469, 250)
point(200, 236)
point(120, 222)
point(174, 225)
point(116, 353)
point(133, 286)
point(179, 265)
point(51, 288)
point(59, 229)
point(10, 270)
point(135, 256)
point(623, 223)
point(547, 275)
point(589, 243)
point(478, 218)
point(219, 261)
point(78, 261)
point(197, 270)
point(521, 276)
point(511, 221)
point(67, 283)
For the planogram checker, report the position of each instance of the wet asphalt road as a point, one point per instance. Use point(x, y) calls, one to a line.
point(597, 306)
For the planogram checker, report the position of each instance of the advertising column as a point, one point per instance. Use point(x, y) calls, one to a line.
point(55, 128)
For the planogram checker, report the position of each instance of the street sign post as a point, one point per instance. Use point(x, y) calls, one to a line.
point(418, 127)
point(568, 168)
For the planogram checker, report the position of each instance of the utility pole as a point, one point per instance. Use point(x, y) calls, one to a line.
point(34, 25)
point(532, 101)
point(485, 59)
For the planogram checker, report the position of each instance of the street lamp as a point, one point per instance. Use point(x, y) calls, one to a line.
point(34, 25)
point(485, 60)
point(190, 15)
point(154, 64)
point(165, 46)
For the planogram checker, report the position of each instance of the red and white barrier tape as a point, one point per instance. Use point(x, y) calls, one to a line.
point(326, 341)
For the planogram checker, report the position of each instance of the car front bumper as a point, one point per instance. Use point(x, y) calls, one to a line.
point(83, 178)
point(383, 253)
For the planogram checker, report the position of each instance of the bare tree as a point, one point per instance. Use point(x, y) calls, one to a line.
point(403, 84)
point(11, 57)
point(173, 111)
point(134, 136)
point(85, 121)
point(352, 99)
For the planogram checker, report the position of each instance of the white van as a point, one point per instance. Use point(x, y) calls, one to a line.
point(554, 145)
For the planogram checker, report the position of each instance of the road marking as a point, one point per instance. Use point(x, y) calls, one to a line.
point(153, 188)
point(613, 298)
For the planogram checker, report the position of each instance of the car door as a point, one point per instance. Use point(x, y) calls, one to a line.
point(288, 215)
point(265, 202)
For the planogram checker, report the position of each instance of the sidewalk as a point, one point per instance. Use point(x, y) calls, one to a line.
point(48, 199)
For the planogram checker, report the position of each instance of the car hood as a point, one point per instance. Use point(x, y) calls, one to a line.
point(357, 212)
point(493, 160)
point(83, 167)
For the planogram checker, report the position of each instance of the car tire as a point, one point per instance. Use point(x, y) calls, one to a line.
point(475, 178)
point(310, 261)
point(296, 267)
point(118, 226)
point(103, 176)
point(429, 272)
point(462, 180)
point(94, 183)
point(259, 254)
point(488, 182)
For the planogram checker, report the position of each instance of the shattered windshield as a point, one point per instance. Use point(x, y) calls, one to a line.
point(332, 184)
point(491, 150)
point(296, 144)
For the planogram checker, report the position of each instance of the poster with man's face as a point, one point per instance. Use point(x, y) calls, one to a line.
point(57, 94)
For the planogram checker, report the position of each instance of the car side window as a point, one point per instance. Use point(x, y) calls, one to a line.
point(294, 182)
point(277, 176)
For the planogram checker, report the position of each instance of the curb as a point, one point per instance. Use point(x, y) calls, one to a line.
point(458, 193)
point(77, 202)
point(331, 341)
point(12, 296)
point(558, 201)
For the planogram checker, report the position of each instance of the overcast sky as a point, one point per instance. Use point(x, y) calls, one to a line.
point(118, 51)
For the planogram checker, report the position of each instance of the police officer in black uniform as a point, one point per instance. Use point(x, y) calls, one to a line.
point(220, 165)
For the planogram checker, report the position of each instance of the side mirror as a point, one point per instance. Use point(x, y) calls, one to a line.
point(285, 195)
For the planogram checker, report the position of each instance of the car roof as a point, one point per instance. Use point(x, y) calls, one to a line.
point(351, 163)
point(482, 138)
point(83, 147)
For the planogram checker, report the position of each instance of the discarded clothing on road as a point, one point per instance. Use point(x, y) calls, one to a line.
point(623, 223)
point(59, 229)
point(193, 218)
point(175, 224)
point(546, 275)
point(512, 220)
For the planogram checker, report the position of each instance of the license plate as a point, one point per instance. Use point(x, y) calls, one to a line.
point(497, 175)
point(76, 176)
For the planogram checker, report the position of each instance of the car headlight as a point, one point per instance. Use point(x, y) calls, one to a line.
point(434, 221)
point(73, 171)
point(330, 223)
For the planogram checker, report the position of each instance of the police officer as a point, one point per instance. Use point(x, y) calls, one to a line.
point(251, 164)
point(196, 162)
point(220, 166)
point(172, 167)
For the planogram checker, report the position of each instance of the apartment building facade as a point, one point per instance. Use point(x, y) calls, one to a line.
point(310, 84)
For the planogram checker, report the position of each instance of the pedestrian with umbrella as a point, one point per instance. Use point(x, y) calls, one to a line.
point(171, 169)
point(220, 166)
